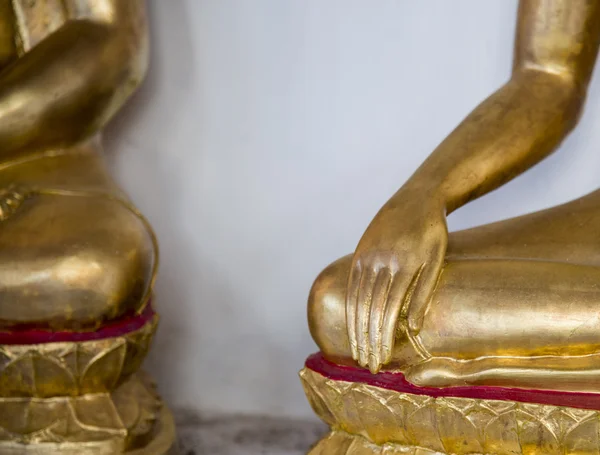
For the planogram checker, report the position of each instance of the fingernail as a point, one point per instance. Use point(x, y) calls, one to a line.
point(374, 364)
point(362, 358)
point(386, 354)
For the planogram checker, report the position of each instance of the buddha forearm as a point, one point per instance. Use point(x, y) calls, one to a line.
point(509, 132)
point(556, 46)
point(68, 86)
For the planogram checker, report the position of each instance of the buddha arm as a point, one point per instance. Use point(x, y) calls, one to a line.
point(399, 259)
point(527, 118)
point(69, 85)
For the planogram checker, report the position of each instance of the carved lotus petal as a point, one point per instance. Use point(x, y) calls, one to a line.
point(64, 368)
point(502, 434)
point(457, 432)
point(34, 374)
point(425, 425)
point(378, 420)
point(336, 443)
point(317, 402)
point(138, 345)
point(534, 435)
point(419, 425)
point(25, 417)
point(98, 414)
point(583, 437)
point(104, 370)
point(102, 420)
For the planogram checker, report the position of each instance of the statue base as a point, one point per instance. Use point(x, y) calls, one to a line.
point(383, 414)
point(70, 393)
point(130, 420)
point(163, 441)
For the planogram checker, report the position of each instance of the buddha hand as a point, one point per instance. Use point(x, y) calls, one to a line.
point(394, 272)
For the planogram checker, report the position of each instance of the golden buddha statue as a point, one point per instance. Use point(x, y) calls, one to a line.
point(485, 340)
point(78, 259)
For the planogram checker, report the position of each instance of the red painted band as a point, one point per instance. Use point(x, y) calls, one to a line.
point(113, 329)
point(397, 382)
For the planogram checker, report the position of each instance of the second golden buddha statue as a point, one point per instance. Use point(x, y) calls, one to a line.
point(486, 340)
point(77, 260)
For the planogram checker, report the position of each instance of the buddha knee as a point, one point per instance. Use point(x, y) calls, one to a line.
point(327, 311)
point(94, 263)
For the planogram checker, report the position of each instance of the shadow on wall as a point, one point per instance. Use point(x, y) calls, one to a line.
point(140, 164)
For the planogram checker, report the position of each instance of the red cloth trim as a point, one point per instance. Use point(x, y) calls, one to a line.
point(113, 329)
point(397, 382)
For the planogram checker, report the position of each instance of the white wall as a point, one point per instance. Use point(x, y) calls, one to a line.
point(268, 134)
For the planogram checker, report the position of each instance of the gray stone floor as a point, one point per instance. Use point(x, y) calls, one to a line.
point(245, 435)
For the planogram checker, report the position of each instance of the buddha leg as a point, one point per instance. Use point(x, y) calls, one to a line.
point(73, 253)
point(517, 301)
point(77, 263)
point(327, 311)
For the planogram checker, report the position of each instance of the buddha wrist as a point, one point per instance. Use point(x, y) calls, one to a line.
point(426, 191)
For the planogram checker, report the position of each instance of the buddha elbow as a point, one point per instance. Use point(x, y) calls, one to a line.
point(124, 71)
